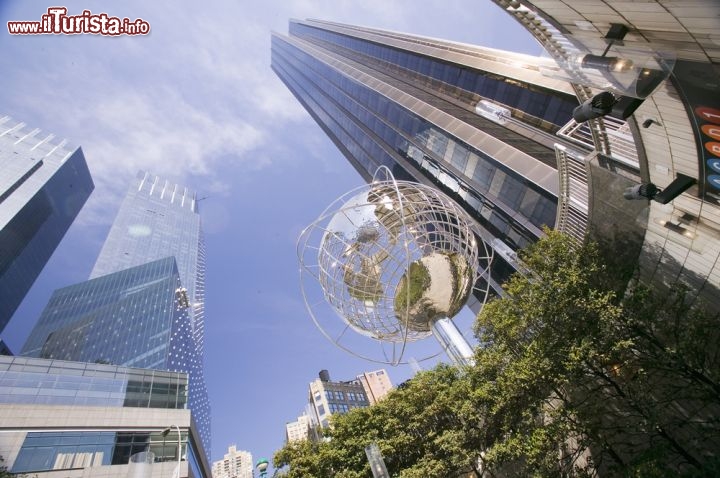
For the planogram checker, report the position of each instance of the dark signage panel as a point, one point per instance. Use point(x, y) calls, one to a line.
point(699, 85)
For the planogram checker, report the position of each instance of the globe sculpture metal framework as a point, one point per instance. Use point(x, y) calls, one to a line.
point(391, 259)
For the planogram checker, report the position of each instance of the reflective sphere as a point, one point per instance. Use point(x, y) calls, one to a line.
point(433, 287)
point(392, 257)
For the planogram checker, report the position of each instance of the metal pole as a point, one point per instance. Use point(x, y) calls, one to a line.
point(377, 464)
point(453, 342)
point(177, 428)
point(165, 433)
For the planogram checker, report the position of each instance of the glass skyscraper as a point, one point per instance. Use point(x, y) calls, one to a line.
point(159, 219)
point(137, 317)
point(143, 305)
point(475, 122)
point(43, 186)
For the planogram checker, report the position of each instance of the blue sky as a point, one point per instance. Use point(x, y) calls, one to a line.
point(195, 101)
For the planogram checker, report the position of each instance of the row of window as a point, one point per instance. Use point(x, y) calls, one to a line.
point(339, 408)
point(67, 450)
point(502, 185)
point(550, 106)
point(339, 395)
point(356, 397)
point(128, 389)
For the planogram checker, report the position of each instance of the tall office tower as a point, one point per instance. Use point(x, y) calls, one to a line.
point(477, 123)
point(377, 384)
point(235, 464)
point(143, 305)
point(159, 219)
point(327, 397)
point(43, 186)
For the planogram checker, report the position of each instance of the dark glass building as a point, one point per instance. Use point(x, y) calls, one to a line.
point(43, 186)
point(477, 123)
point(137, 317)
point(143, 305)
point(159, 219)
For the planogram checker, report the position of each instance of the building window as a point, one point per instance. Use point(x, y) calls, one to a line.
point(64, 450)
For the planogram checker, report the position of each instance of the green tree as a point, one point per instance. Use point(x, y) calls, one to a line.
point(303, 458)
point(424, 429)
point(585, 377)
point(575, 375)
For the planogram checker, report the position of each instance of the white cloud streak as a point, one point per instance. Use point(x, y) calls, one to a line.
point(196, 94)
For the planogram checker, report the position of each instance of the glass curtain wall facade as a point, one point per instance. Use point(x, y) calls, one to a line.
point(137, 317)
point(56, 382)
point(158, 219)
point(43, 451)
point(43, 186)
point(420, 107)
point(69, 386)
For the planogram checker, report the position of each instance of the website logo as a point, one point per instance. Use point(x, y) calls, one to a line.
point(57, 22)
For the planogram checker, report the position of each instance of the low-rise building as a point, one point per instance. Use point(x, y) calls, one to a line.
point(61, 419)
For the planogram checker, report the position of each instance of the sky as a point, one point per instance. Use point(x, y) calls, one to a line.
point(195, 101)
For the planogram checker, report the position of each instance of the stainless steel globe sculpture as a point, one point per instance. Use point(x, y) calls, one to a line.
point(390, 258)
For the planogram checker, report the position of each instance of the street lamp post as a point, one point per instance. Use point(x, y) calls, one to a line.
point(165, 433)
point(262, 466)
point(377, 464)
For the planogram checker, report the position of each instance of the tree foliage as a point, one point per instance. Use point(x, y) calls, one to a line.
point(622, 382)
point(575, 375)
point(423, 429)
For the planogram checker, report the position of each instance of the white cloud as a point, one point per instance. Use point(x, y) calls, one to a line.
point(159, 130)
point(275, 101)
point(196, 94)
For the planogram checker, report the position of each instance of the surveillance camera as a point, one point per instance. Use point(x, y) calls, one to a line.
point(641, 191)
point(597, 106)
point(648, 122)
